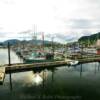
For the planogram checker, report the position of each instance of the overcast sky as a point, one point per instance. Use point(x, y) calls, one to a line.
point(66, 20)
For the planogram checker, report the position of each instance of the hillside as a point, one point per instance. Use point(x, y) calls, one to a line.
point(12, 42)
point(90, 39)
point(34, 42)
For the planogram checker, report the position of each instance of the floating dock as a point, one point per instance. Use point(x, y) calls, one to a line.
point(45, 65)
point(2, 75)
point(18, 67)
point(34, 66)
point(89, 60)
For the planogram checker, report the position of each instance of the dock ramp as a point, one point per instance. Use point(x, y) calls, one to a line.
point(2, 75)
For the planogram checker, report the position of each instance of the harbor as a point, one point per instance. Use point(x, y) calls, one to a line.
point(49, 50)
point(40, 66)
point(21, 67)
point(35, 80)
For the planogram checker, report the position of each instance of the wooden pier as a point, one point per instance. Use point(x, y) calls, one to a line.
point(33, 66)
point(2, 74)
point(44, 65)
point(89, 59)
point(19, 67)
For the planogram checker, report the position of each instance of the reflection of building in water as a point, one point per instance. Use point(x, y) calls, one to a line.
point(44, 74)
point(39, 77)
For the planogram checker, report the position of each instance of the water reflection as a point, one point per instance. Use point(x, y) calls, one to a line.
point(4, 57)
point(95, 71)
point(98, 66)
point(40, 76)
point(81, 80)
point(38, 82)
point(10, 80)
point(81, 70)
point(37, 79)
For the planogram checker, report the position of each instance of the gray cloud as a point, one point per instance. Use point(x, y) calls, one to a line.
point(64, 37)
point(83, 24)
point(80, 23)
point(86, 32)
point(3, 34)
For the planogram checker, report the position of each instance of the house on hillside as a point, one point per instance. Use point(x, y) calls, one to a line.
point(98, 46)
point(98, 43)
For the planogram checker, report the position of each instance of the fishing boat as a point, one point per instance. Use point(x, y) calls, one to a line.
point(39, 57)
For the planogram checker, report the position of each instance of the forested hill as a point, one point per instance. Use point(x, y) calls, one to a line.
point(90, 39)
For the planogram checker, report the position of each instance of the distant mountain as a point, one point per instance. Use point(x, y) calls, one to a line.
point(90, 39)
point(12, 42)
point(39, 42)
point(15, 41)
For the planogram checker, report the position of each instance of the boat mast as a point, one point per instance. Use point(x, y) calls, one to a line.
point(34, 37)
point(43, 41)
point(53, 45)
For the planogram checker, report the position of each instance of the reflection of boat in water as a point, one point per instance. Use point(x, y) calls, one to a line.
point(72, 62)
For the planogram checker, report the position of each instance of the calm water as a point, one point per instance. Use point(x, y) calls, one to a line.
point(81, 82)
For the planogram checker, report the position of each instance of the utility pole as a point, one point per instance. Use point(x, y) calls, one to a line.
point(43, 41)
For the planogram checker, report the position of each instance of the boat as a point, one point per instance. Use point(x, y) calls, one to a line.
point(72, 62)
point(37, 57)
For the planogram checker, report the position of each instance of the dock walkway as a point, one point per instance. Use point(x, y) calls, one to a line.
point(38, 66)
point(2, 74)
point(34, 66)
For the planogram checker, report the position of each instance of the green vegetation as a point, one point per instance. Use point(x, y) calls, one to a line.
point(89, 40)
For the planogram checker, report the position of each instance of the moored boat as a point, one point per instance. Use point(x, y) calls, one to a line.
point(72, 62)
point(39, 57)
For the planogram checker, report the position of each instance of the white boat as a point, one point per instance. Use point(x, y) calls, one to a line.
point(72, 62)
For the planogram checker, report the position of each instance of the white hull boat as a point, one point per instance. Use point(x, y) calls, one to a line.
point(72, 62)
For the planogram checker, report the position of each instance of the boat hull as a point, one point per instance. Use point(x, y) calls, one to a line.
point(38, 61)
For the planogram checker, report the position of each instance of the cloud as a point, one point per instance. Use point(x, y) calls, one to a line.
point(60, 37)
point(83, 24)
point(80, 23)
point(71, 18)
point(7, 1)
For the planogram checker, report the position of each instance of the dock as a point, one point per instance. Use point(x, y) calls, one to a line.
point(34, 66)
point(2, 74)
point(44, 65)
point(89, 59)
point(20, 67)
